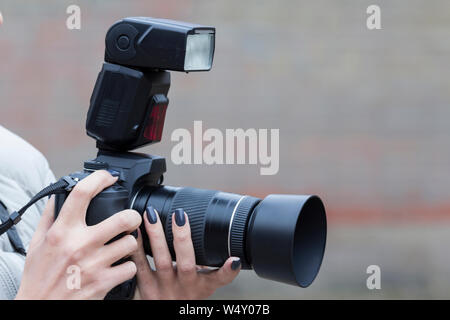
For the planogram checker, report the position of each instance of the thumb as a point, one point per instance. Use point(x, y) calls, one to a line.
point(226, 273)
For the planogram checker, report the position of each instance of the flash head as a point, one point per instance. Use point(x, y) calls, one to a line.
point(160, 44)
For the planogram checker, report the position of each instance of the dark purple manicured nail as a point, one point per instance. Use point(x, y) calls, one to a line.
point(151, 215)
point(180, 219)
point(236, 264)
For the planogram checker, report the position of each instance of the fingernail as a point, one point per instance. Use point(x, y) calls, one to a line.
point(236, 264)
point(151, 215)
point(134, 234)
point(114, 173)
point(180, 220)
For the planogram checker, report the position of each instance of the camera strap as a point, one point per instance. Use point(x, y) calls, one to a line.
point(12, 233)
point(64, 184)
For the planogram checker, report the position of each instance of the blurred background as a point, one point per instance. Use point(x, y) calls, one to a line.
point(363, 118)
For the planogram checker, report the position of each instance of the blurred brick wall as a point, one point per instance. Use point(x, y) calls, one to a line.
point(363, 115)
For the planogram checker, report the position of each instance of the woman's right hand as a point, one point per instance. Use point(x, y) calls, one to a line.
point(69, 260)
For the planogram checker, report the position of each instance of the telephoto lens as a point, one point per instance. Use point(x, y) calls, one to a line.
point(281, 237)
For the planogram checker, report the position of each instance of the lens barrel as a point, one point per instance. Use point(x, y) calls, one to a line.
point(281, 237)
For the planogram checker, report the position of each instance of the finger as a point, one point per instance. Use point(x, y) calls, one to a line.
point(121, 248)
point(158, 244)
point(145, 275)
point(122, 222)
point(184, 249)
point(76, 204)
point(116, 275)
point(225, 274)
point(45, 223)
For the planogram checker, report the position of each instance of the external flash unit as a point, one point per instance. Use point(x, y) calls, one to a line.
point(129, 102)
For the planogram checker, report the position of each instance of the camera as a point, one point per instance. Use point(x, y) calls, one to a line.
point(280, 237)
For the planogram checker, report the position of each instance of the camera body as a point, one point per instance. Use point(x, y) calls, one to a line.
point(134, 171)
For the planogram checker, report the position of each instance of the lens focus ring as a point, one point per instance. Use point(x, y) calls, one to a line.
point(239, 227)
point(194, 202)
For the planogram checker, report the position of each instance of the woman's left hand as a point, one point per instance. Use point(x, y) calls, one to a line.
point(185, 280)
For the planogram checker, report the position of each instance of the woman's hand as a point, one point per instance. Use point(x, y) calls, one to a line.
point(184, 281)
point(69, 260)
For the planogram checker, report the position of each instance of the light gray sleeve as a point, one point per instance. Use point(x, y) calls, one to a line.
point(24, 171)
point(11, 267)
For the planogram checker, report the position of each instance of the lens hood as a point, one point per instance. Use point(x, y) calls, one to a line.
point(286, 238)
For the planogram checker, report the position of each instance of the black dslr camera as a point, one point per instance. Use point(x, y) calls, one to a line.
point(281, 237)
